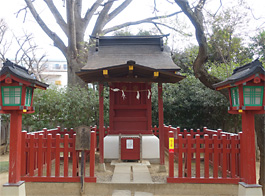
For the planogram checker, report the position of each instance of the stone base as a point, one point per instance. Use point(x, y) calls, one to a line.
point(249, 189)
point(14, 189)
point(162, 168)
point(101, 167)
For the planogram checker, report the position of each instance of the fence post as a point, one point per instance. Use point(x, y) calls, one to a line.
point(180, 159)
point(189, 155)
point(92, 153)
point(49, 154)
point(57, 155)
point(40, 155)
point(31, 155)
point(171, 142)
point(224, 161)
point(206, 156)
point(23, 153)
point(66, 141)
point(198, 157)
point(216, 156)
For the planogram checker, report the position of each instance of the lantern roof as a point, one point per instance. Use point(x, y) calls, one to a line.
point(243, 74)
point(19, 72)
point(148, 54)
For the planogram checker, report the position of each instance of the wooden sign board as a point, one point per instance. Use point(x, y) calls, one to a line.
point(82, 138)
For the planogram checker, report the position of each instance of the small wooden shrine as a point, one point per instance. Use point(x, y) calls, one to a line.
point(128, 65)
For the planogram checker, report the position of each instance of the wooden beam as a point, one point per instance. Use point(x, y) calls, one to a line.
point(161, 124)
point(101, 122)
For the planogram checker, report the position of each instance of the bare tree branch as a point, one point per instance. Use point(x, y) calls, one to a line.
point(118, 10)
point(90, 12)
point(196, 19)
point(58, 17)
point(147, 20)
point(57, 41)
point(102, 18)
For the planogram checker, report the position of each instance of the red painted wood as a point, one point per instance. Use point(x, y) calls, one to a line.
point(40, 155)
point(206, 156)
point(74, 158)
point(101, 123)
point(248, 128)
point(90, 179)
point(130, 154)
point(233, 157)
point(180, 155)
point(224, 156)
point(66, 143)
point(130, 115)
point(49, 152)
point(23, 153)
point(31, 155)
point(149, 108)
point(189, 146)
point(171, 157)
point(57, 155)
point(92, 154)
point(15, 147)
point(198, 157)
point(161, 124)
point(215, 157)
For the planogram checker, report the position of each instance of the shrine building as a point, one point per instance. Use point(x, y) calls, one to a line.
point(128, 66)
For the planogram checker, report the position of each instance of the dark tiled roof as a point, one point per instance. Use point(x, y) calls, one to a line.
point(147, 51)
point(20, 72)
point(242, 73)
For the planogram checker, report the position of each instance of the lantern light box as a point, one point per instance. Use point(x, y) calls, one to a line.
point(17, 87)
point(246, 88)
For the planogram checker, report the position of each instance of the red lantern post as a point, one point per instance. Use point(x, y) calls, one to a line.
point(17, 88)
point(246, 96)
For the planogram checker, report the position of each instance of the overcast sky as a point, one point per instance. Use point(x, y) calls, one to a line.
point(139, 9)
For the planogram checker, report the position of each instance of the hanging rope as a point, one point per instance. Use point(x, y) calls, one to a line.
point(137, 92)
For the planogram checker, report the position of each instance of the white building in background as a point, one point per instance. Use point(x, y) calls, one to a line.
point(55, 73)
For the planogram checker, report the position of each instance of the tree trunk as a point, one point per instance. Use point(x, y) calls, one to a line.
point(73, 67)
point(259, 128)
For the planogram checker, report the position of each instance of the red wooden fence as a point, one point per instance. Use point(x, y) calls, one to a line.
point(206, 156)
point(45, 151)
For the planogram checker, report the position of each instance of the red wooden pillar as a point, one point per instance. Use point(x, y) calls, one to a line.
point(248, 148)
point(15, 147)
point(161, 124)
point(101, 123)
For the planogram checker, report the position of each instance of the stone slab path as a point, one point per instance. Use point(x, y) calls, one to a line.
point(131, 174)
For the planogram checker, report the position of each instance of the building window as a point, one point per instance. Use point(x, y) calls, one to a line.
point(28, 96)
point(58, 82)
point(253, 95)
point(235, 96)
point(56, 66)
point(65, 66)
point(11, 95)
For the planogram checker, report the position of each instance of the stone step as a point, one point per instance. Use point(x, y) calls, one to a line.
point(122, 193)
point(143, 194)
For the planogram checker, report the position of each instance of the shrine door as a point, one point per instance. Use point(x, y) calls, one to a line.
point(130, 108)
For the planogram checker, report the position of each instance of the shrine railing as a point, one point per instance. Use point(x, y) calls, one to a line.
point(50, 156)
point(206, 156)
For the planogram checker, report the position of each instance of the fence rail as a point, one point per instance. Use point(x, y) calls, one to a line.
point(206, 156)
point(50, 156)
